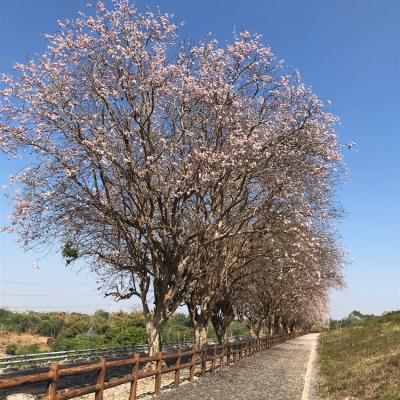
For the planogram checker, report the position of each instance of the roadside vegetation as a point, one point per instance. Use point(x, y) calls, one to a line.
point(362, 360)
point(69, 331)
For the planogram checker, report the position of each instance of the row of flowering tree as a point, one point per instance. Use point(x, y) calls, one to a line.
point(198, 175)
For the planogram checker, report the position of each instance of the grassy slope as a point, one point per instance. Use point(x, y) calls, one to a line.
point(362, 361)
point(22, 340)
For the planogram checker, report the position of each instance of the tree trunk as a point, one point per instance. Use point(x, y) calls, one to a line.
point(270, 326)
point(221, 319)
point(260, 328)
point(221, 328)
point(200, 317)
point(154, 329)
point(277, 327)
point(222, 335)
point(200, 336)
point(252, 331)
point(285, 327)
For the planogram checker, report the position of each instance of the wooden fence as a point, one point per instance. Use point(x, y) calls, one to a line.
point(219, 355)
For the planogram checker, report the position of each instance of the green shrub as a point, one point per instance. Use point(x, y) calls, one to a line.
point(125, 334)
point(30, 349)
point(11, 349)
point(63, 344)
point(50, 327)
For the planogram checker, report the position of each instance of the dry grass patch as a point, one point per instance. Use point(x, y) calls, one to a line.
point(21, 340)
point(362, 361)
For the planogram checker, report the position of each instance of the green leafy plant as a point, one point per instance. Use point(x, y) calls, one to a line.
point(11, 349)
point(70, 253)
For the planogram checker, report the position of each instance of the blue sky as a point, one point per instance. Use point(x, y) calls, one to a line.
point(347, 50)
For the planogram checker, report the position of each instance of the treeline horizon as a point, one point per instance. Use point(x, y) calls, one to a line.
point(69, 330)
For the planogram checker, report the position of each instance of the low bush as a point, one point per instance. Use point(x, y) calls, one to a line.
point(11, 349)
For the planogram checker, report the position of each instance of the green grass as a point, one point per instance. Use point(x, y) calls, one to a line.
point(362, 361)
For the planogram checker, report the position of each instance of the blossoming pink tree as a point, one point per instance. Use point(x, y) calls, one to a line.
point(145, 154)
point(292, 282)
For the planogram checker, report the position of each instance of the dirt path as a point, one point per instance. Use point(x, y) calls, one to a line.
point(276, 374)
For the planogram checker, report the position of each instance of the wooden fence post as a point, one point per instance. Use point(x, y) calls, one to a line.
point(178, 370)
point(52, 383)
point(213, 358)
point(157, 381)
point(203, 361)
point(101, 375)
point(135, 370)
point(193, 365)
point(221, 357)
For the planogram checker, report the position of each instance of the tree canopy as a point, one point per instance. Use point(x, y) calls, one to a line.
point(184, 173)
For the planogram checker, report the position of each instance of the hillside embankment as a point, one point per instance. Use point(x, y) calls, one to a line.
point(361, 361)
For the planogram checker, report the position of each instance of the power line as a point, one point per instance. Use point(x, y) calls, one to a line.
point(46, 295)
point(55, 283)
point(65, 306)
point(98, 306)
point(46, 283)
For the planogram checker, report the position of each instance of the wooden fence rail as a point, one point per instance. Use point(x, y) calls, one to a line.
point(219, 355)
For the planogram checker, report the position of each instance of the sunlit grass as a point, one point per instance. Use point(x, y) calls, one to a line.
point(362, 361)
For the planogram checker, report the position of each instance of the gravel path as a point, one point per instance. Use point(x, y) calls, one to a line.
point(275, 374)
